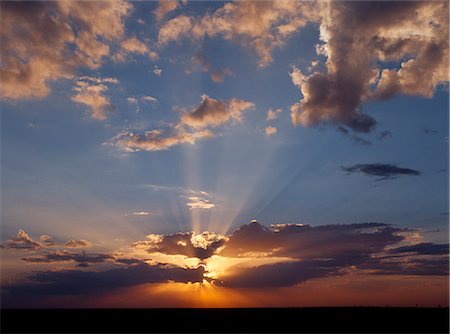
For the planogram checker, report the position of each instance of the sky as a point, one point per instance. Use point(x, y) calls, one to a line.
point(224, 154)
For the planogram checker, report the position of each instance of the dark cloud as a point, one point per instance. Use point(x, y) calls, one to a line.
point(280, 274)
point(78, 281)
point(383, 171)
point(430, 131)
point(358, 39)
point(77, 244)
point(356, 139)
point(308, 242)
point(83, 258)
point(327, 250)
point(425, 248)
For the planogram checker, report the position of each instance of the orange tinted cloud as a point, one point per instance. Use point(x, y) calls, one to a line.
point(39, 51)
point(192, 126)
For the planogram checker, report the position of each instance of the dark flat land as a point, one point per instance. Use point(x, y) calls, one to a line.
point(255, 320)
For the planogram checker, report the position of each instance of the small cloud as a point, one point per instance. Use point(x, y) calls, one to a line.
point(384, 171)
point(356, 139)
point(149, 98)
point(273, 114)
point(141, 213)
point(77, 244)
point(90, 92)
point(46, 240)
point(271, 130)
point(132, 100)
point(196, 202)
point(157, 71)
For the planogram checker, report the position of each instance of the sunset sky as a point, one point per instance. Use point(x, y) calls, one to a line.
point(224, 154)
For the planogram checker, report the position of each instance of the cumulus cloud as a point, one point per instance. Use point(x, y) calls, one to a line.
point(77, 244)
point(23, 241)
point(383, 171)
point(91, 93)
point(164, 8)
point(212, 112)
point(270, 131)
point(358, 39)
point(259, 25)
point(273, 114)
point(193, 125)
point(200, 246)
point(54, 39)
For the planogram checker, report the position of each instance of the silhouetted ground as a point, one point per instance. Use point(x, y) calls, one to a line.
point(254, 320)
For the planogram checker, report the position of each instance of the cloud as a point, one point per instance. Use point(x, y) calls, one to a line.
point(91, 93)
point(273, 114)
point(141, 213)
point(199, 246)
point(174, 29)
point(217, 75)
point(165, 7)
point(259, 25)
point(193, 125)
point(327, 250)
point(309, 242)
point(385, 134)
point(359, 39)
point(356, 139)
point(153, 141)
point(23, 241)
point(196, 202)
point(383, 171)
point(254, 256)
point(83, 259)
point(77, 243)
point(70, 282)
point(149, 98)
point(54, 39)
point(271, 130)
point(425, 248)
point(46, 240)
point(212, 112)
point(133, 45)
point(157, 71)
